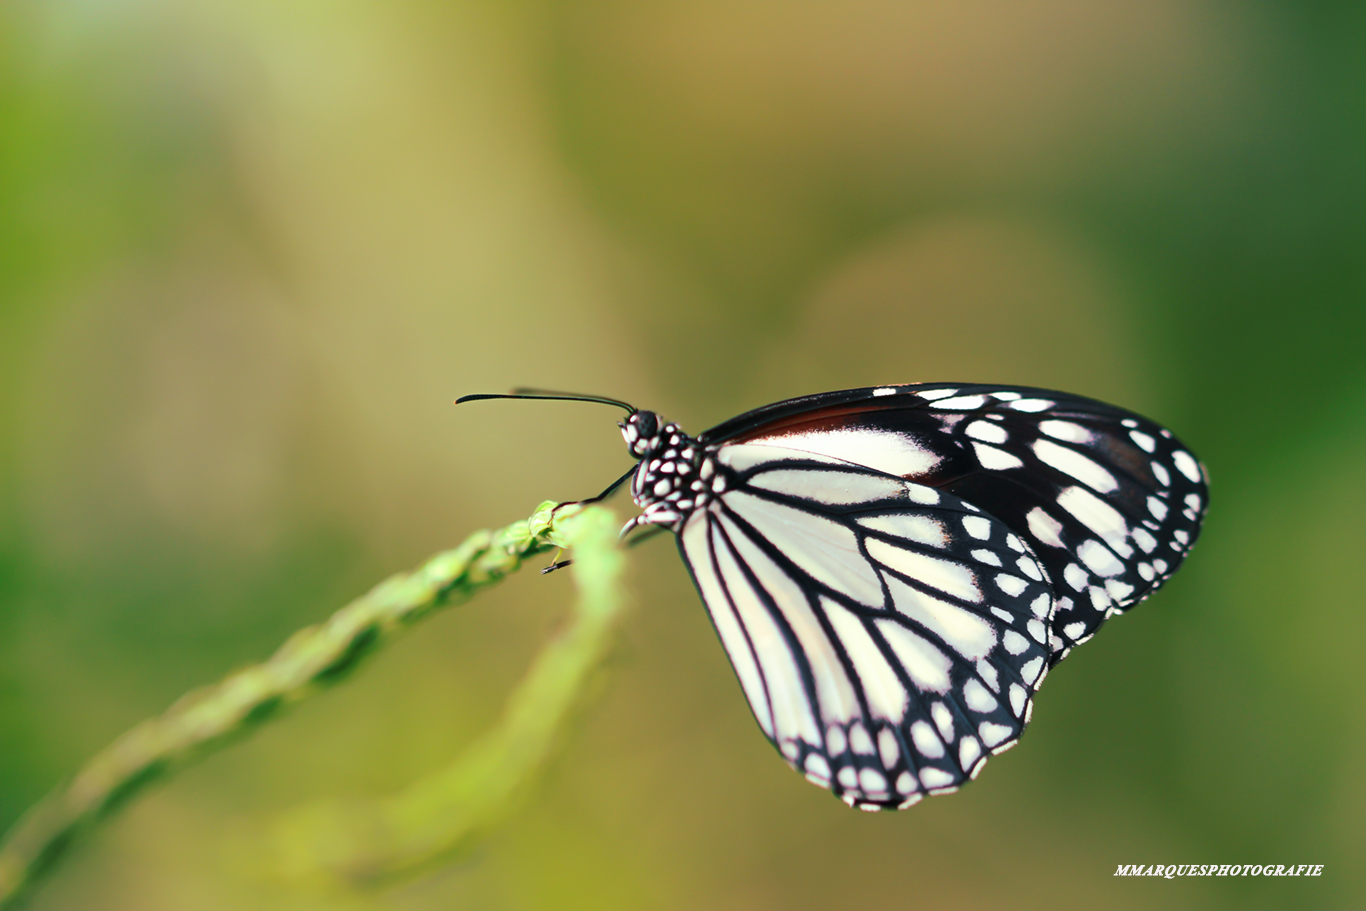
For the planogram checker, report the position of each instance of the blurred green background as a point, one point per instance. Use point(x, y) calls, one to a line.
point(250, 252)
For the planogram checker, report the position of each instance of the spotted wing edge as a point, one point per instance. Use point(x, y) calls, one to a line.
point(891, 396)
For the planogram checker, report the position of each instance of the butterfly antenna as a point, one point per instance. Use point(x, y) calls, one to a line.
point(547, 395)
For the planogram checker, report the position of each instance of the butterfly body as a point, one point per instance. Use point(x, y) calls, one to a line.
point(893, 570)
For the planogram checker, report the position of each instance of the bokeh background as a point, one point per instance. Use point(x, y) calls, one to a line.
point(250, 252)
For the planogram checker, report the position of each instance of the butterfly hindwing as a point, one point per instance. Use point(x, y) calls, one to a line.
point(888, 636)
point(1109, 501)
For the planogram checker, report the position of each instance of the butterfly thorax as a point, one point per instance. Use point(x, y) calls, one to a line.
point(676, 473)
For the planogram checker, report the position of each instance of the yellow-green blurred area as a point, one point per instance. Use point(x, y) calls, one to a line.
point(250, 253)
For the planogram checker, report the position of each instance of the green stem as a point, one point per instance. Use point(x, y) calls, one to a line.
point(206, 719)
point(367, 842)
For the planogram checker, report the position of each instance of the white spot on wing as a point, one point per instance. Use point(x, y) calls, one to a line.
point(1160, 472)
point(1066, 430)
point(968, 753)
point(1011, 585)
point(987, 671)
point(992, 734)
point(1104, 520)
point(888, 750)
point(1186, 465)
point(1031, 569)
point(919, 493)
point(1145, 442)
point(816, 765)
point(978, 698)
point(978, 527)
point(933, 394)
point(1119, 590)
point(925, 740)
point(987, 432)
point(1098, 559)
point(931, 777)
point(1030, 405)
point(1044, 527)
point(1073, 463)
point(961, 403)
point(1017, 699)
point(884, 390)
point(1075, 576)
point(995, 459)
point(943, 719)
point(859, 741)
point(919, 528)
point(872, 782)
point(986, 556)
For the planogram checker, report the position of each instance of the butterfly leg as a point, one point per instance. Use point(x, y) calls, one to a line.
point(611, 489)
point(557, 563)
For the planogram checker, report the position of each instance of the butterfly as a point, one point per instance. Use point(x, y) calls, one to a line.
point(894, 570)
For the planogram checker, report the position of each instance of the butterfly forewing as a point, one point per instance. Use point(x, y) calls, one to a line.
point(1107, 500)
point(888, 636)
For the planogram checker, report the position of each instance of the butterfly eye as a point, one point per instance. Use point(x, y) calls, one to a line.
point(647, 422)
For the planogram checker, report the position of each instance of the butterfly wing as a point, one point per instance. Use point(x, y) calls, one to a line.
point(1109, 501)
point(888, 636)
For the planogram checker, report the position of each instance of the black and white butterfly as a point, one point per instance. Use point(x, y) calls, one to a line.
point(893, 570)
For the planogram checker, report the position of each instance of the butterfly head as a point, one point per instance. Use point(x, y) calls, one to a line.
point(666, 482)
point(644, 433)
